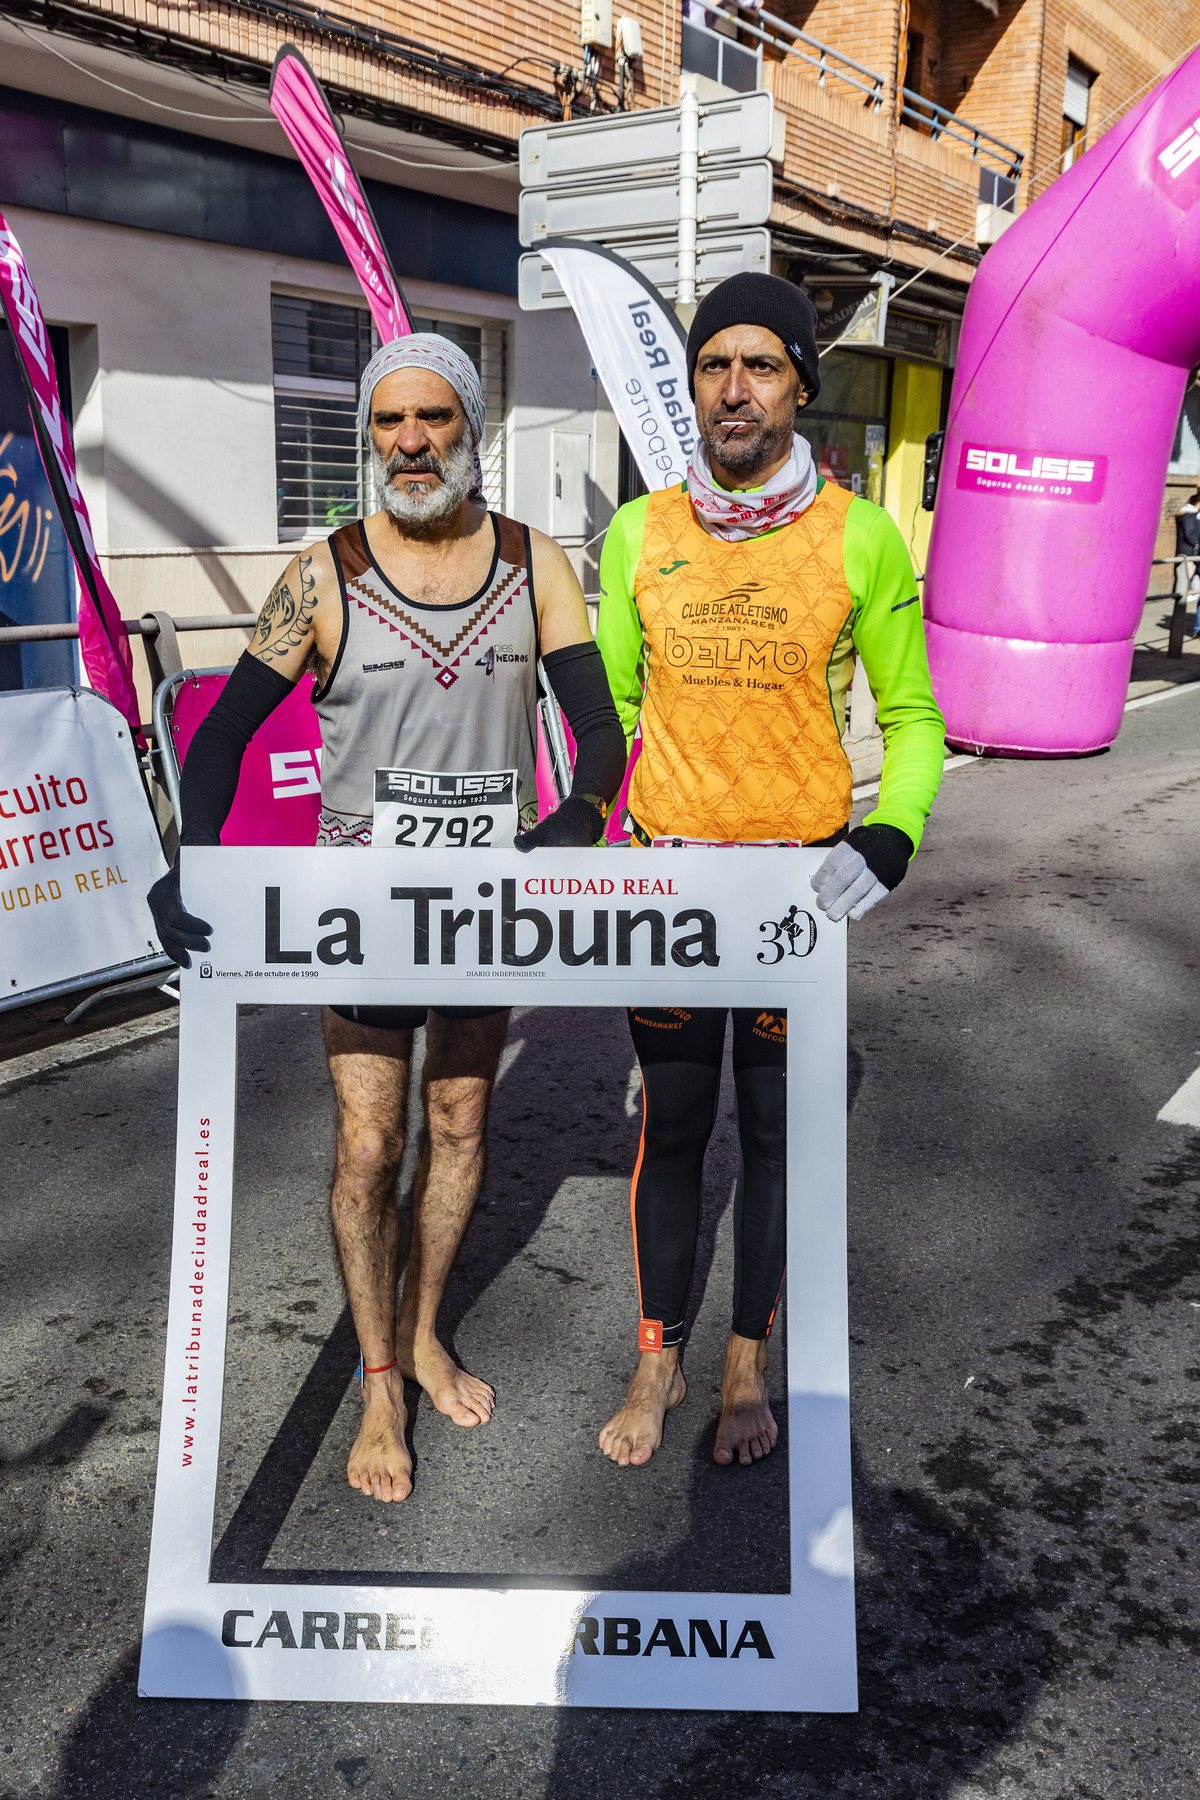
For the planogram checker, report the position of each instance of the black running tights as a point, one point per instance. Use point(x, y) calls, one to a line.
point(680, 1053)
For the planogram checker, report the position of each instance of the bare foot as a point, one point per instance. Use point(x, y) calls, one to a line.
point(380, 1465)
point(635, 1433)
point(462, 1397)
point(746, 1430)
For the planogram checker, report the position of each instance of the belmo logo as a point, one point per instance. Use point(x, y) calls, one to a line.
point(995, 468)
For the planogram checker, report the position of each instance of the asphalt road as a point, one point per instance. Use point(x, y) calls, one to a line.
point(1025, 1303)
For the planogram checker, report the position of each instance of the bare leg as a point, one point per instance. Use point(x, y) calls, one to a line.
point(633, 1435)
point(370, 1072)
point(747, 1429)
point(461, 1058)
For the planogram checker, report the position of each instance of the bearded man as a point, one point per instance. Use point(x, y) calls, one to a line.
point(422, 627)
point(732, 608)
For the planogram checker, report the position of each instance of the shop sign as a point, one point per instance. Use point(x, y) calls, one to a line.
point(910, 335)
point(850, 313)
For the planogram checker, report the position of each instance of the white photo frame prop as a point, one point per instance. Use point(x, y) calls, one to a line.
point(715, 927)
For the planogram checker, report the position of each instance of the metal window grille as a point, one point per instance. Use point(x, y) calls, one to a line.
point(320, 350)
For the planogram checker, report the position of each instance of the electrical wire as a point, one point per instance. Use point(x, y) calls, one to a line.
point(244, 118)
point(144, 99)
point(547, 60)
point(479, 168)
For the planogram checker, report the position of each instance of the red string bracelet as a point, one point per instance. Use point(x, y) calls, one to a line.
point(384, 1369)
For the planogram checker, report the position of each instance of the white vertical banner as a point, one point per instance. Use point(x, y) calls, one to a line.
point(639, 351)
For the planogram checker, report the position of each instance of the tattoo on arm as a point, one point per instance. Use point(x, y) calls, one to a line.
point(285, 622)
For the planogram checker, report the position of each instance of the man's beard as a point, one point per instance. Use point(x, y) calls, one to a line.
point(750, 451)
point(417, 505)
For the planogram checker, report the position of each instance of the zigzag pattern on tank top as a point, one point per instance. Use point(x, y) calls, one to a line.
point(443, 656)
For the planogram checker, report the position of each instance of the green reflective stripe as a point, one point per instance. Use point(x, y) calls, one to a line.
point(619, 630)
point(889, 636)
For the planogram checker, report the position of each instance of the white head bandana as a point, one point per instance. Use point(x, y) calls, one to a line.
point(424, 350)
point(738, 515)
point(428, 350)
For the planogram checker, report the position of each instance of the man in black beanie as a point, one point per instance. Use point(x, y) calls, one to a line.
point(733, 606)
point(776, 306)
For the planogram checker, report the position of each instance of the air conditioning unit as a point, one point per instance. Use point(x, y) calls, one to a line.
point(997, 208)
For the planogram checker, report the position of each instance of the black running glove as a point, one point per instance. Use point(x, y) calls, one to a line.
point(576, 824)
point(178, 932)
point(862, 870)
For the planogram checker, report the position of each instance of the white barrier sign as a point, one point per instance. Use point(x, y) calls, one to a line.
point(578, 928)
point(78, 846)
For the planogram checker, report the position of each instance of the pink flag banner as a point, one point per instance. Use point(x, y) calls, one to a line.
point(103, 639)
point(298, 102)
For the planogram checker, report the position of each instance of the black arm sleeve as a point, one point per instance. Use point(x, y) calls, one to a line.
point(581, 688)
point(214, 759)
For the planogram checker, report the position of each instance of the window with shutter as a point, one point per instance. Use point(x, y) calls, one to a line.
point(1075, 110)
point(320, 349)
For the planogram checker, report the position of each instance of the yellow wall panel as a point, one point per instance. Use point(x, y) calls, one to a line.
point(916, 411)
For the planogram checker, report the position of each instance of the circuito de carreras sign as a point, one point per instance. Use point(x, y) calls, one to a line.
point(78, 846)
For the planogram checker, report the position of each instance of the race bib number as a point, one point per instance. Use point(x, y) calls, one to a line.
point(420, 809)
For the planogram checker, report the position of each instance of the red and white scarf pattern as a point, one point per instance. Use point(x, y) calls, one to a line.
point(738, 515)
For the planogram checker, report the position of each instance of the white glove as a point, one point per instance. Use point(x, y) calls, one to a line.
point(845, 885)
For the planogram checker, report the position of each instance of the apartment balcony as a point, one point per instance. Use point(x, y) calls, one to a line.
point(950, 179)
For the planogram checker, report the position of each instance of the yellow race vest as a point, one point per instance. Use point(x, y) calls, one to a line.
point(748, 658)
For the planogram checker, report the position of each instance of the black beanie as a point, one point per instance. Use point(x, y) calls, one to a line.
point(766, 300)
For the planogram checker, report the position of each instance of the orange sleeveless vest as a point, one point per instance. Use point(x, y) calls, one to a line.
point(748, 658)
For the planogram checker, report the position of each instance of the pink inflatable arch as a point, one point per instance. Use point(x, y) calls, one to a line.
point(1080, 330)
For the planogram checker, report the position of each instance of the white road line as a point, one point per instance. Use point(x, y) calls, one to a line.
point(96, 1043)
point(1183, 1108)
point(1184, 687)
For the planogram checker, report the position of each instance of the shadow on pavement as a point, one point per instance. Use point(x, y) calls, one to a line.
point(246, 1542)
point(952, 1657)
point(1156, 665)
point(124, 1745)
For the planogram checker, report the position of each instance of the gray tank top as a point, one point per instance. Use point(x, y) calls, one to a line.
point(446, 688)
